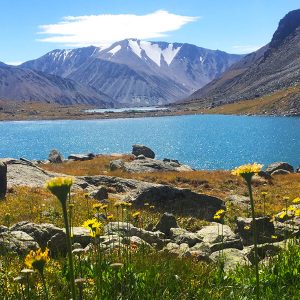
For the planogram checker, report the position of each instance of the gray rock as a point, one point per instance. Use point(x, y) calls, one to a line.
point(166, 222)
point(180, 236)
point(100, 194)
point(219, 237)
point(117, 164)
point(231, 257)
point(141, 156)
point(265, 230)
point(3, 179)
point(242, 202)
point(81, 157)
point(3, 228)
point(173, 199)
point(41, 233)
point(152, 165)
point(55, 157)
point(280, 172)
point(279, 166)
point(17, 242)
point(155, 238)
point(118, 228)
point(178, 250)
point(144, 150)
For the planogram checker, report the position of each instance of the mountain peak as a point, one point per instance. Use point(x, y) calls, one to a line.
point(287, 26)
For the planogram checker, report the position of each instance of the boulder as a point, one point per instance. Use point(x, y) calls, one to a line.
point(155, 238)
point(117, 164)
point(280, 172)
point(144, 150)
point(81, 157)
point(143, 165)
point(3, 179)
point(55, 157)
point(180, 236)
point(100, 194)
point(231, 258)
point(166, 222)
point(242, 202)
point(219, 237)
point(265, 230)
point(173, 199)
point(279, 166)
point(179, 250)
point(16, 242)
point(41, 233)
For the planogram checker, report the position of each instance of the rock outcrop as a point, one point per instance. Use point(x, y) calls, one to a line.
point(142, 150)
point(55, 157)
point(3, 179)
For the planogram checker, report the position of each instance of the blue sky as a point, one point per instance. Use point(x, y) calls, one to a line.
point(30, 28)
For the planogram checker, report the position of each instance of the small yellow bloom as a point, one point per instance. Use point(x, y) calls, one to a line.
point(247, 171)
point(104, 206)
point(286, 198)
point(152, 206)
point(291, 208)
point(297, 212)
point(94, 226)
point(97, 206)
point(274, 237)
point(146, 204)
point(247, 227)
point(296, 200)
point(264, 194)
point(282, 215)
point(220, 214)
point(136, 215)
point(60, 187)
point(110, 217)
point(37, 260)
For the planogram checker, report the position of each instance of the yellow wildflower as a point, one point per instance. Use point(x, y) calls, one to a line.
point(247, 171)
point(60, 187)
point(297, 212)
point(37, 260)
point(291, 208)
point(264, 194)
point(152, 206)
point(104, 206)
point(282, 215)
point(219, 214)
point(296, 200)
point(97, 206)
point(136, 215)
point(274, 237)
point(94, 226)
point(247, 227)
point(110, 217)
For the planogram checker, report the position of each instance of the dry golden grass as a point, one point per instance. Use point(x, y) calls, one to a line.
point(277, 101)
point(216, 183)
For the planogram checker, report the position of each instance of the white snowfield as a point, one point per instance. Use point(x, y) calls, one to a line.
point(153, 51)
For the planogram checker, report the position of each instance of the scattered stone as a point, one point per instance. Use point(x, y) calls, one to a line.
point(142, 165)
point(3, 179)
point(81, 157)
point(41, 233)
point(100, 194)
point(55, 157)
point(280, 172)
point(166, 222)
point(16, 242)
point(231, 257)
point(180, 236)
point(219, 237)
point(117, 164)
point(279, 166)
point(242, 202)
point(177, 200)
point(265, 230)
point(144, 150)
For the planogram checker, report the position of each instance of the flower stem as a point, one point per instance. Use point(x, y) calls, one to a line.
point(69, 248)
point(254, 237)
point(45, 286)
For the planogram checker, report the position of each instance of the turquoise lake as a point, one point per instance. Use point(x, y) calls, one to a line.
point(202, 141)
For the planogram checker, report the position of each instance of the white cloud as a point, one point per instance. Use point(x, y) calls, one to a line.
point(103, 30)
point(244, 49)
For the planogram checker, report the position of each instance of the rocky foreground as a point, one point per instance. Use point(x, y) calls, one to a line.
point(204, 244)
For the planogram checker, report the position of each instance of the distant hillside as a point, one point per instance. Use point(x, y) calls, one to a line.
point(136, 72)
point(24, 84)
point(273, 68)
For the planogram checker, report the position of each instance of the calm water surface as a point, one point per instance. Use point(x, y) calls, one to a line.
point(202, 141)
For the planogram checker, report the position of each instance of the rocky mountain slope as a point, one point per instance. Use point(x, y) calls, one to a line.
point(23, 84)
point(136, 72)
point(273, 68)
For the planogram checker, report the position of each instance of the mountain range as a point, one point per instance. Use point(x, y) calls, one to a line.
point(134, 72)
point(270, 70)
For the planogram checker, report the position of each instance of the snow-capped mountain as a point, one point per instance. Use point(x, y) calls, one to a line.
point(135, 72)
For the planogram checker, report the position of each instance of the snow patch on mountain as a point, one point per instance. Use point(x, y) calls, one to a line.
point(153, 51)
point(115, 50)
point(133, 44)
point(169, 53)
